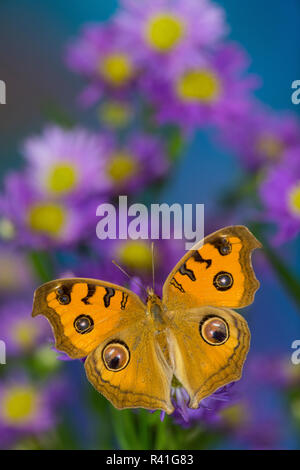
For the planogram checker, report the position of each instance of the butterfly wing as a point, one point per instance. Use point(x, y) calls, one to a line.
point(108, 324)
point(83, 312)
point(217, 271)
point(144, 382)
point(209, 346)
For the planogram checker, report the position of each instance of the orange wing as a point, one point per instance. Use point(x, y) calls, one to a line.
point(143, 379)
point(216, 272)
point(84, 312)
point(207, 357)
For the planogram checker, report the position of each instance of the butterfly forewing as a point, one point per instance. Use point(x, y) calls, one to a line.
point(83, 312)
point(218, 271)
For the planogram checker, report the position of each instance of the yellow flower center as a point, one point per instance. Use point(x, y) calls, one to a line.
point(198, 85)
point(115, 114)
point(270, 146)
point(294, 200)
point(7, 229)
point(136, 254)
point(10, 276)
point(122, 166)
point(234, 415)
point(25, 334)
point(19, 404)
point(62, 178)
point(47, 218)
point(163, 32)
point(116, 69)
point(46, 358)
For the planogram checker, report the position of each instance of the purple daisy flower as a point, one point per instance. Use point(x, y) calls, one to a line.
point(61, 162)
point(199, 89)
point(20, 332)
point(26, 407)
point(40, 222)
point(261, 137)
point(280, 194)
point(160, 30)
point(140, 160)
point(103, 56)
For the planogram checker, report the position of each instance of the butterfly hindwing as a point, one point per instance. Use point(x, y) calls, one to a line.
point(210, 346)
point(142, 382)
point(217, 271)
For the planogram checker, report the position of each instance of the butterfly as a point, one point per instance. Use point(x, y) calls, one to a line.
point(134, 350)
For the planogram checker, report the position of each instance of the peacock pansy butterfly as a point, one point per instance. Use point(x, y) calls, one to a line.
point(134, 350)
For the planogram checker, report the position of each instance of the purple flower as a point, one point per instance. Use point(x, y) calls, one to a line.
point(261, 137)
point(66, 163)
point(160, 30)
point(209, 408)
point(201, 89)
point(102, 55)
point(129, 167)
point(20, 332)
point(280, 194)
point(40, 222)
point(27, 408)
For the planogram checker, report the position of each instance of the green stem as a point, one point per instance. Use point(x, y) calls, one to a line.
point(42, 264)
point(161, 435)
point(125, 429)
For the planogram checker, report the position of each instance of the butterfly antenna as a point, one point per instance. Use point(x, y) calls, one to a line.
point(153, 265)
point(129, 276)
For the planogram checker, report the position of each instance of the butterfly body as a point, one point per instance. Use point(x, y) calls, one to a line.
point(135, 351)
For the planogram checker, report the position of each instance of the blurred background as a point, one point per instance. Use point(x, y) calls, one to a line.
point(238, 152)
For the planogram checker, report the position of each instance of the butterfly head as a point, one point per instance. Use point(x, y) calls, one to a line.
point(154, 305)
point(151, 296)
